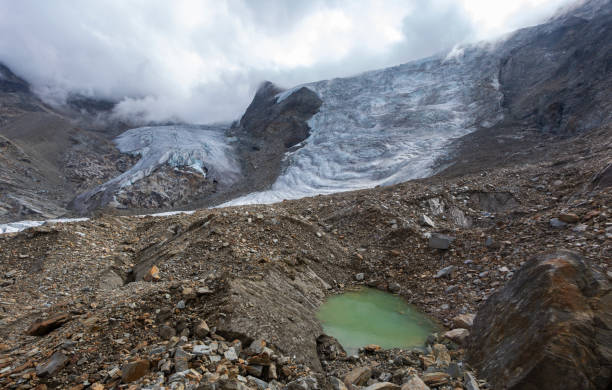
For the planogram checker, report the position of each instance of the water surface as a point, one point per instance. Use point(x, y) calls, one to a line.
point(370, 316)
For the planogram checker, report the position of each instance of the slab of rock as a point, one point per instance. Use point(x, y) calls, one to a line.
point(549, 327)
point(131, 372)
point(424, 220)
point(110, 280)
point(440, 241)
point(43, 327)
point(337, 384)
point(383, 386)
point(441, 355)
point(57, 361)
point(446, 271)
point(458, 335)
point(436, 378)
point(569, 218)
point(469, 382)
point(414, 383)
point(359, 376)
point(201, 330)
point(464, 321)
point(557, 223)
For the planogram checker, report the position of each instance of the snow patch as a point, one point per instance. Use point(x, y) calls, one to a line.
point(284, 95)
point(13, 227)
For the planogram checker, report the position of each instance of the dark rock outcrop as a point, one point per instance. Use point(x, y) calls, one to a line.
point(550, 327)
point(557, 77)
point(269, 128)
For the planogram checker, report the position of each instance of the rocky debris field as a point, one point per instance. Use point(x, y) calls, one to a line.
point(227, 298)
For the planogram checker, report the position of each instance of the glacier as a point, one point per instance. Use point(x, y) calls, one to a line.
point(387, 126)
point(197, 147)
point(376, 128)
point(202, 148)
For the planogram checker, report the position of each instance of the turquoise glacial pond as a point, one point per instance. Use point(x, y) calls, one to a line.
point(369, 316)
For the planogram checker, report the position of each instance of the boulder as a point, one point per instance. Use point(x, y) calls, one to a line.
point(464, 321)
point(549, 327)
point(557, 223)
point(424, 220)
point(43, 327)
point(304, 383)
point(336, 384)
point(328, 348)
point(458, 335)
point(441, 355)
point(440, 241)
point(383, 386)
point(57, 361)
point(414, 383)
point(446, 272)
point(110, 280)
point(436, 379)
point(358, 376)
point(131, 372)
point(152, 275)
point(202, 330)
point(569, 218)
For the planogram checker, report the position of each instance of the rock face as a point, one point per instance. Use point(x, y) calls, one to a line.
point(537, 95)
point(550, 327)
point(269, 128)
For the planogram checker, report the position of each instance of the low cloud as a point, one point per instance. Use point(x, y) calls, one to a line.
point(201, 61)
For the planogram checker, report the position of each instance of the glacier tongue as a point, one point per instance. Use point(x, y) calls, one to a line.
point(197, 147)
point(204, 149)
point(388, 126)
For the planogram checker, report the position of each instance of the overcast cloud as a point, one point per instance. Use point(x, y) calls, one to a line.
point(201, 61)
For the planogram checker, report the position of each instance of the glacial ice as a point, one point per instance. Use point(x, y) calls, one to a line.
point(197, 147)
point(13, 227)
point(376, 128)
point(202, 148)
point(388, 126)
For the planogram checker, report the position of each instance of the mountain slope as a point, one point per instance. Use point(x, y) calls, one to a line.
point(45, 157)
point(475, 107)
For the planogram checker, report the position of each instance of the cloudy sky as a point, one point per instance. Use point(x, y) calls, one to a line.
point(201, 61)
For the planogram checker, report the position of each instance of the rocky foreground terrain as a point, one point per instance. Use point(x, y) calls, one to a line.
point(226, 298)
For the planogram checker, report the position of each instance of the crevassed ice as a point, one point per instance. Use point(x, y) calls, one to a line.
point(388, 126)
point(205, 149)
point(376, 128)
point(197, 147)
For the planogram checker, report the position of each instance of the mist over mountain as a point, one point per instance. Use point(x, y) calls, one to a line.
point(201, 62)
